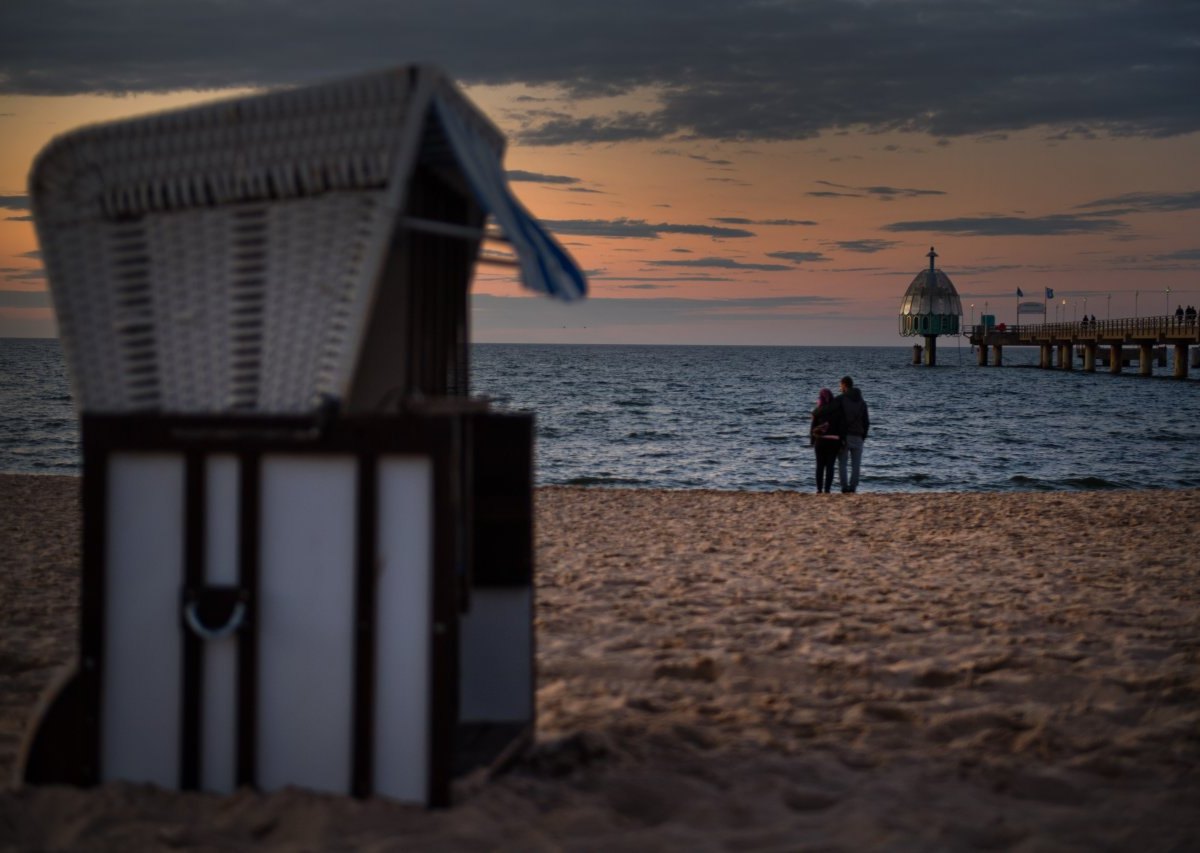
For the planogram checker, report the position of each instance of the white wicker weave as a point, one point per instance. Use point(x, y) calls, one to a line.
point(224, 258)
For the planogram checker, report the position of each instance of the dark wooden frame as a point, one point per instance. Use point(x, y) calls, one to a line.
point(497, 473)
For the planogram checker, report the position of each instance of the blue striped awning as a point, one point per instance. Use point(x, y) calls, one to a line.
point(546, 267)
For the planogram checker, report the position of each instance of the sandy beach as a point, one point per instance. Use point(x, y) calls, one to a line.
point(718, 671)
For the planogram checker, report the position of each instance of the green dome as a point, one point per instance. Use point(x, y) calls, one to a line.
point(931, 305)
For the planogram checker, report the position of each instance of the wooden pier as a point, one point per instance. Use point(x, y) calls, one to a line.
point(1059, 342)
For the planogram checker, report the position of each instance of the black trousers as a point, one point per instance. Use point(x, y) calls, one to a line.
point(827, 454)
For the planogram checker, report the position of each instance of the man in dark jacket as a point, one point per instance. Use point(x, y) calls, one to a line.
point(858, 424)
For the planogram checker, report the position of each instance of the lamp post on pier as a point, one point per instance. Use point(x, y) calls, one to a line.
point(1168, 311)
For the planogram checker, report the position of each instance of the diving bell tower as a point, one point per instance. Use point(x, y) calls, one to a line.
point(931, 307)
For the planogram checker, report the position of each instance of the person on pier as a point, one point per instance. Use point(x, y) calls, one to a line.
point(826, 435)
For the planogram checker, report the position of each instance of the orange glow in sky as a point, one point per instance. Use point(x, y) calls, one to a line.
point(823, 234)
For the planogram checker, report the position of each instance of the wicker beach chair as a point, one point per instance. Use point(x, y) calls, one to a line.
point(307, 556)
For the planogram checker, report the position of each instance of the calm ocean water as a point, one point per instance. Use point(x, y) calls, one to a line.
point(685, 417)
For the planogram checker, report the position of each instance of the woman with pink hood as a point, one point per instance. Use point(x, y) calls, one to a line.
point(826, 435)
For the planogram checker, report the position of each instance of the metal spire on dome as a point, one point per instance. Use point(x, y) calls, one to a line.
point(932, 254)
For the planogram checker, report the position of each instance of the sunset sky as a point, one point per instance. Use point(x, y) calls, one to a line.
point(765, 172)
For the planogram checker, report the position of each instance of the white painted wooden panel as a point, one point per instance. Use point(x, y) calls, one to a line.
point(306, 621)
point(140, 702)
point(404, 630)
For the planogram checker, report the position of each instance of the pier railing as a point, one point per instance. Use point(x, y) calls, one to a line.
point(1104, 339)
point(1160, 329)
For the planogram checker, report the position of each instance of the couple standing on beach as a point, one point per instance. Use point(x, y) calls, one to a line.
point(839, 428)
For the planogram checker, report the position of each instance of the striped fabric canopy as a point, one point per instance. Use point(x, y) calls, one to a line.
point(545, 266)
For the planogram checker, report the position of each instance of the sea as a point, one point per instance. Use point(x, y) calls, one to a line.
point(736, 417)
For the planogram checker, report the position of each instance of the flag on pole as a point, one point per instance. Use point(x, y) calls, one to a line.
point(1019, 293)
point(1049, 293)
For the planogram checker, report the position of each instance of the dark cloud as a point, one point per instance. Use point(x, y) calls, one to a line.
point(24, 299)
point(1010, 226)
point(721, 263)
point(34, 255)
point(20, 274)
point(647, 281)
point(723, 70)
point(518, 175)
point(1145, 202)
point(637, 228)
point(986, 269)
point(799, 257)
point(623, 127)
point(883, 193)
point(738, 220)
point(1182, 255)
point(14, 202)
point(864, 247)
point(18, 219)
point(1184, 259)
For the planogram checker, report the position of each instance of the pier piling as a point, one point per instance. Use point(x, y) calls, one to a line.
point(1089, 358)
point(1115, 342)
point(1145, 363)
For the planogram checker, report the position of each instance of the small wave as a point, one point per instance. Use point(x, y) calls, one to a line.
point(604, 481)
point(1024, 482)
point(1088, 483)
point(643, 435)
